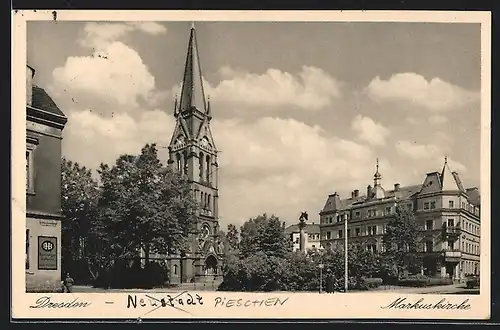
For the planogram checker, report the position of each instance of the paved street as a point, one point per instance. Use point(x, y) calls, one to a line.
point(446, 289)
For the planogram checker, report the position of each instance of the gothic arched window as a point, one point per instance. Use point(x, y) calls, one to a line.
point(208, 169)
point(185, 170)
point(178, 158)
point(208, 202)
point(201, 165)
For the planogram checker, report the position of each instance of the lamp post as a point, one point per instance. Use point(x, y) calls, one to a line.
point(321, 266)
point(346, 269)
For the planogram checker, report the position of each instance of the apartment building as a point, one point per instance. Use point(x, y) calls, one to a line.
point(447, 213)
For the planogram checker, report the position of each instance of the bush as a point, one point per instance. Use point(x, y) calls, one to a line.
point(390, 280)
point(440, 281)
point(417, 280)
point(123, 275)
point(373, 282)
point(153, 275)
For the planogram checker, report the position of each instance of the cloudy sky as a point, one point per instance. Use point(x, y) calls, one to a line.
point(301, 110)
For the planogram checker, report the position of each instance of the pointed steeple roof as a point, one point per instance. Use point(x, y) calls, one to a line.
point(377, 175)
point(448, 178)
point(378, 191)
point(192, 93)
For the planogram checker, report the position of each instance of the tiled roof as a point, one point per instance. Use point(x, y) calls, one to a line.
point(42, 100)
point(311, 228)
point(474, 196)
point(402, 194)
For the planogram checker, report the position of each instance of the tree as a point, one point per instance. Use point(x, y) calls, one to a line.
point(80, 195)
point(232, 237)
point(401, 240)
point(145, 206)
point(264, 234)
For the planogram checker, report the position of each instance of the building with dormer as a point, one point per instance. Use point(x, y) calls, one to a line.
point(447, 213)
point(44, 125)
point(193, 153)
point(312, 236)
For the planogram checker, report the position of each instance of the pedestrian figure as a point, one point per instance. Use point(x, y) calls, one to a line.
point(329, 281)
point(68, 283)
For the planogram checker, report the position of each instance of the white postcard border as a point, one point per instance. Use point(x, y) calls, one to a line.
point(296, 305)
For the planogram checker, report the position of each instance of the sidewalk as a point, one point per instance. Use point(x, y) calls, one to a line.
point(444, 289)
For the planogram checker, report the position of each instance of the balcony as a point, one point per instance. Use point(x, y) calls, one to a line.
point(452, 255)
point(451, 231)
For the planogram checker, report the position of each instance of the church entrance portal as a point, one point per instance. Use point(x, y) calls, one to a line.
point(210, 265)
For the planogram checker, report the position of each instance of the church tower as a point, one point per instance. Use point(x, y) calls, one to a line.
point(192, 152)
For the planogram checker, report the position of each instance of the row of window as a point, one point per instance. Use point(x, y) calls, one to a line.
point(451, 205)
point(430, 205)
point(471, 248)
point(204, 165)
point(467, 226)
point(310, 237)
point(205, 201)
point(370, 230)
point(370, 213)
point(470, 267)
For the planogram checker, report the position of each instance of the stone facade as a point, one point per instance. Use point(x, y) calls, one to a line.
point(44, 125)
point(312, 236)
point(447, 213)
point(192, 152)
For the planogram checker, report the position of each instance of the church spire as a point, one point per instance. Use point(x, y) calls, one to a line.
point(377, 176)
point(192, 93)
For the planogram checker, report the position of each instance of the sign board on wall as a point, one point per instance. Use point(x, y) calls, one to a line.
point(47, 253)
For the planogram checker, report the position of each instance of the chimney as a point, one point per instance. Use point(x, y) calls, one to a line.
point(352, 194)
point(396, 187)
point(369, 191)
point(356, 193)
point(30, 73)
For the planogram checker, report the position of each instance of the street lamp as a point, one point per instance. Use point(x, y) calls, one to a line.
point(346, 269)
point(320, 266)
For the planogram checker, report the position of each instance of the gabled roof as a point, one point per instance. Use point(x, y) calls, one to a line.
point(450, 180)
point(41, 100)
point(332, 203)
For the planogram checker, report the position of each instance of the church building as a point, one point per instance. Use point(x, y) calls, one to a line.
point(192, 152)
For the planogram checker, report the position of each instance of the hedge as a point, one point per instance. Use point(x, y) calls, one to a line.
point(373, 282)
point(423, 281)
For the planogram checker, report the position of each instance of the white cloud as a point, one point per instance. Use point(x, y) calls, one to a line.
point(99, 35)
point(311, 89)
point(436, 94)
point(270, 165)
point(150, 27)
point(418, 151)
point(412, 121)
point(438, 120)
point(285, 166)
point(370, 131)
point(117, 73)
point(90, 138)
